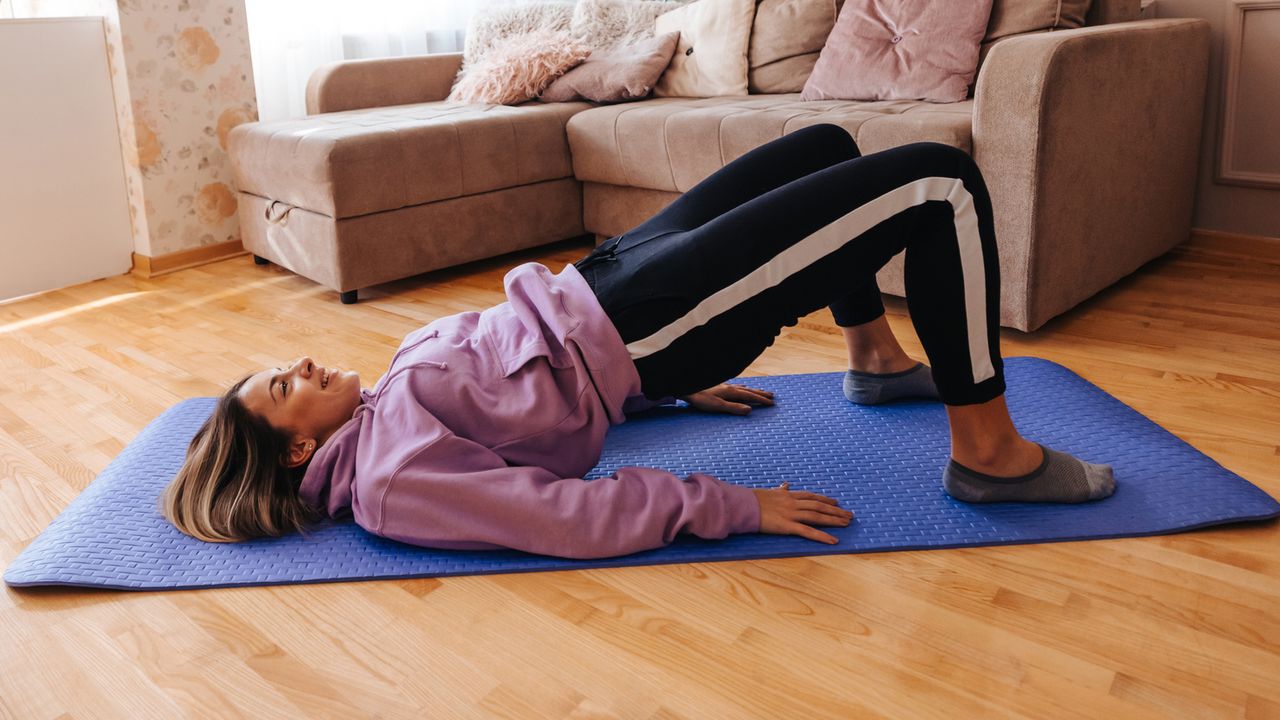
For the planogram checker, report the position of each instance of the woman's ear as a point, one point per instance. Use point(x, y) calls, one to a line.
point(300, 451)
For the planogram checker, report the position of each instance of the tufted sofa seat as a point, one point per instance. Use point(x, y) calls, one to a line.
point(673, 143)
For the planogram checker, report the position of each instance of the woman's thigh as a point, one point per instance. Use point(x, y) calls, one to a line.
point(699, 307)
point(750, 175)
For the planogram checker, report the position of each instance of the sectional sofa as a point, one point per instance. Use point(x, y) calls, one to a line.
point(1088, 140)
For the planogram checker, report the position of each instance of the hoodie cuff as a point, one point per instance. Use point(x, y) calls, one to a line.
point(640, 403)
point(743, 510)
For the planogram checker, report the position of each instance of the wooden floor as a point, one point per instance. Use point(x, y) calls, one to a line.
point(1181, 626)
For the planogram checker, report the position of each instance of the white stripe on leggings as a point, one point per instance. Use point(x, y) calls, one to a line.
point(832, 236)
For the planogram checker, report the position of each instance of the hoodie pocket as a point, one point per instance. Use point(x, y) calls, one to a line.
point(514, 344)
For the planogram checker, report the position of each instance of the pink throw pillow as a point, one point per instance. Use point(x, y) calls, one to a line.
point(519, 68)
point(900, 50)
point(616, 75)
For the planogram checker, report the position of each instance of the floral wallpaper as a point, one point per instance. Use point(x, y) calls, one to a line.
point(182, 78)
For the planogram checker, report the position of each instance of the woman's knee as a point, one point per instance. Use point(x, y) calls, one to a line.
point(831, 138)
point(942, 159)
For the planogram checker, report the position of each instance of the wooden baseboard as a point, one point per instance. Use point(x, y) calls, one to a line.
point(1255, 245)
point(149, 267)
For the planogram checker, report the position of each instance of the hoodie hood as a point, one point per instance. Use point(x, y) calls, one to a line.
point(326, 484)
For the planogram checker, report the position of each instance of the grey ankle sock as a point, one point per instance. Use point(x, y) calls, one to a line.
point(875, 388)
point(1060, 478)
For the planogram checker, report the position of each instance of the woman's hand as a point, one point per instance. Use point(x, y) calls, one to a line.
point(784, 512)
point(724, 398)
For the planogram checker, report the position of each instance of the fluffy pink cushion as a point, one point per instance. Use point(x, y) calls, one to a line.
point(900, 50)
point(625, 73)
point(519, 68)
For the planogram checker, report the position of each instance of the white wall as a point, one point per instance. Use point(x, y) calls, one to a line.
point(64, 213)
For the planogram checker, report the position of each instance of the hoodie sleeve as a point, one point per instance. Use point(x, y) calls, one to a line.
point(458, 494)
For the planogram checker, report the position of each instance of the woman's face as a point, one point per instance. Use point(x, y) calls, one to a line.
point(306, 402)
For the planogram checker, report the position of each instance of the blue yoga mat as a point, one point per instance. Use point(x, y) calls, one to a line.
point(882, 462)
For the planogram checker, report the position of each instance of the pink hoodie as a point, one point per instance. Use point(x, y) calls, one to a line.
point(480, 432)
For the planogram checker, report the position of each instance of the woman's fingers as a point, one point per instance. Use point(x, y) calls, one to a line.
point(814, 534)
point(746, 393)
point(733, 407)
point(805, 495)
point(817, 518)
point(794, 513)
point(824, 509)
point(762, 395)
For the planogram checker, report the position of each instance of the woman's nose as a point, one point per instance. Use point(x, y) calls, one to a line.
point(305, 365)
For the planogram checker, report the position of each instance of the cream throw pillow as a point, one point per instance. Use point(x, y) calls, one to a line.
point(711, 57)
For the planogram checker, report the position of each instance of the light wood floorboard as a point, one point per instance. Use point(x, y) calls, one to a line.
point(1184, 626)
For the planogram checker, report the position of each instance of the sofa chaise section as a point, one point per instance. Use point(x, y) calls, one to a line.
point(361, 196)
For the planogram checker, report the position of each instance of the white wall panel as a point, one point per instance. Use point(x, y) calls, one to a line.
point(64, 215)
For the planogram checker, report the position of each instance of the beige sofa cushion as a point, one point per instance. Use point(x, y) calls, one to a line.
point(363, 161)
point(786, 37)
point(673, 143)
point(711, 58)
point(1102, 12)
point(1016, 17)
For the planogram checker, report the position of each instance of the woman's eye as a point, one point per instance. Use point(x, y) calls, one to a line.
point(283, 385)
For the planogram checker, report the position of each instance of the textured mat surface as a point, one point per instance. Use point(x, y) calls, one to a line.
point(882, 462)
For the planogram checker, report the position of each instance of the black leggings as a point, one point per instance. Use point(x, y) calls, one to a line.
point(701, 289)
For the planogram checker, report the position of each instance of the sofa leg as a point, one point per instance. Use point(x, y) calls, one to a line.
point(259, 260)
point(348, 297)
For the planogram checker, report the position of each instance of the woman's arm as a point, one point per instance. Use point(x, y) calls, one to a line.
point(455, 493)
point(458, 494)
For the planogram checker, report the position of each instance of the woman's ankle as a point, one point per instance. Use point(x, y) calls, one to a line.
point(880, 363)
point(873, 348)
point(1003, 457)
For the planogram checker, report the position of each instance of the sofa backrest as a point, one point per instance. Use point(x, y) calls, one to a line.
point(783, 56)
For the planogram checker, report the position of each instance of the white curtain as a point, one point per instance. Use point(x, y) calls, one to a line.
point(291, 38)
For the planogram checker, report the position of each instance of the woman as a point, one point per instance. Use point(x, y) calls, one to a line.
point(478, 435)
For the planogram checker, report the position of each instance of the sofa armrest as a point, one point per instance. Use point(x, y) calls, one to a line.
point(381, 82)
point(1088, 140)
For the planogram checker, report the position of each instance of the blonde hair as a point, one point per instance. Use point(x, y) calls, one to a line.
point(232, 485)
